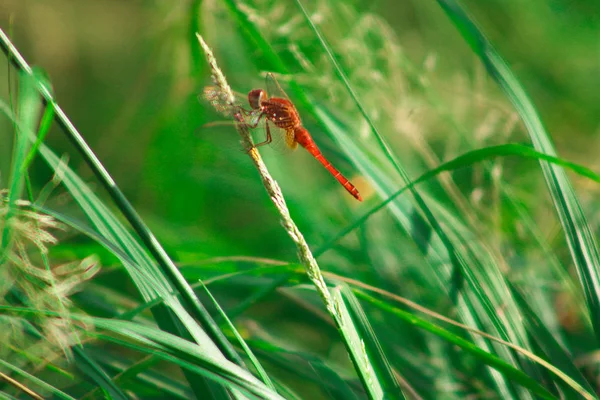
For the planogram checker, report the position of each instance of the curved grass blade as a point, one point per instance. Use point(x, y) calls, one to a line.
point(95, 372)
point(184, 353)
point(480, 304)
point(259, 368)
point(138, 374)
point(59, 394)
point(311, 370)
point(274, 62)
point(342, 76)
point(151, 282)
point(372, 348)
point(169, 347)
point(85, 230)
point(555, 353)
point(493, 361)
point(358, 287)
point(149, 279)
point(469, 263)
point(253, 36)
point(465, 160)
point(168, 268)
point(579, 235)
point(360, 358)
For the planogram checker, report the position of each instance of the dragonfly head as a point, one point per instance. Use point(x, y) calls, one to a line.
point(256, 98)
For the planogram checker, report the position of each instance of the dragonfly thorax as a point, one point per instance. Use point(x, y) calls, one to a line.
point(281, 112)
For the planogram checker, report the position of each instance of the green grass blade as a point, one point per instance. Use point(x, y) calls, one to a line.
point(469, 262)
point(259, 368)
point(77, 226)
point(359, 356)
point(166, 346)
point(185, 354)
point(254, 37)
point(506, 369)
point(168, 267)
point(139, 374)
point(29, 109)
point(148, 278)
point(579, 235)
point(45, 125)
point(95, 372)
point(555, 353)
point(382, 369)
point(36, 381)
point(312, 370)
point(464, 160)
point(346, 82)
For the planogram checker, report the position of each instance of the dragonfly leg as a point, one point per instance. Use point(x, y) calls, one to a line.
point(255, 124)
point(246, 112)
point(269, 139)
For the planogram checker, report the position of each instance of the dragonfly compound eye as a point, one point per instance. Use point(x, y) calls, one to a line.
point(256, 97)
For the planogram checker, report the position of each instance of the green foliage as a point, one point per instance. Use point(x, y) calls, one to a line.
point(142, 257)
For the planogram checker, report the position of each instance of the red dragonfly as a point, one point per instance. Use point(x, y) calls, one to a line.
point(281, 112)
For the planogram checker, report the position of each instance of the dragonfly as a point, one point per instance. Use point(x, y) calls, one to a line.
point(279, 111)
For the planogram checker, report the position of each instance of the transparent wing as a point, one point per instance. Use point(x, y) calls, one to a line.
point(282, 141)
point(224, 133)
point(221, 133)
point(213, 95)
point(290, 139)
point(274, 88)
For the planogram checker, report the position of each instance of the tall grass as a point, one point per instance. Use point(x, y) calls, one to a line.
point(444, 283)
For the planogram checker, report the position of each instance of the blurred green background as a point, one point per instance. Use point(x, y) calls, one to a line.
point(128, 74)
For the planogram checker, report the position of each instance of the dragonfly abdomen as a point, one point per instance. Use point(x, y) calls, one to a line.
point(305, 140)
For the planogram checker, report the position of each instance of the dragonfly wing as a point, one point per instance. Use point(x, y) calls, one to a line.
point(274, 89)
point(290, 139)
point(279, 138)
